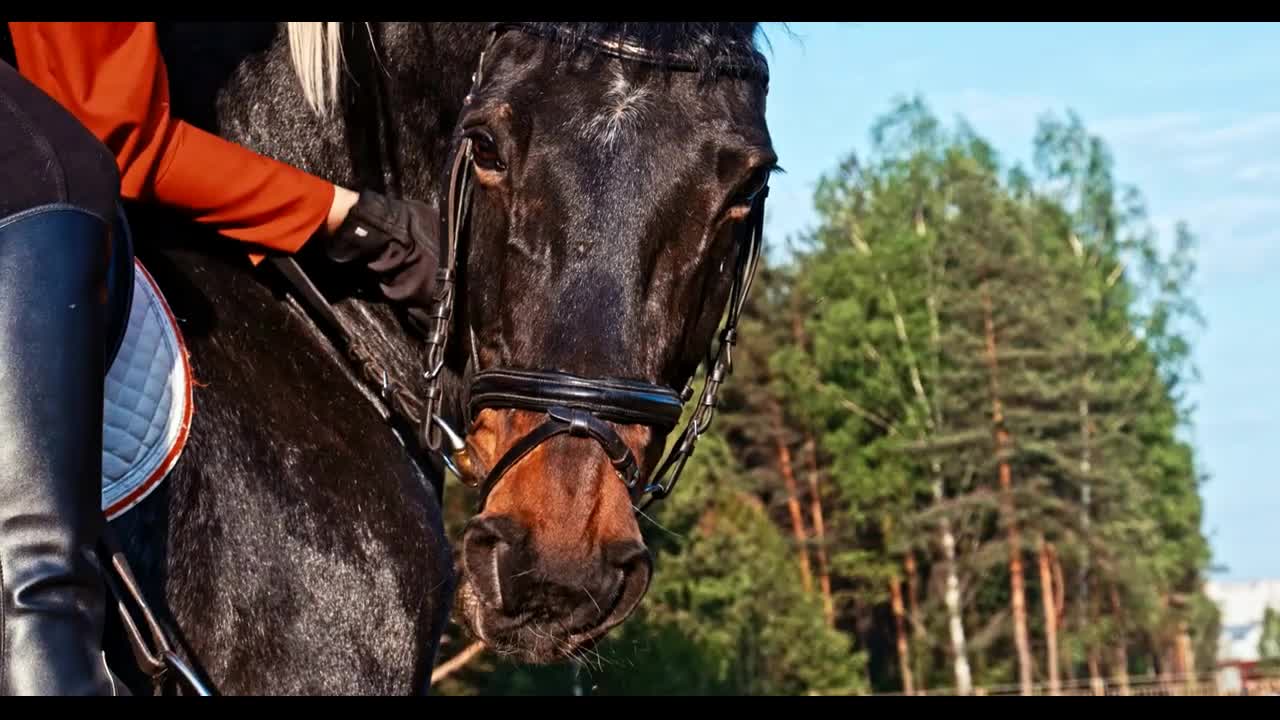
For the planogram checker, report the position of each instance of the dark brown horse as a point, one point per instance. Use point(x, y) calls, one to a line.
point(607, 211)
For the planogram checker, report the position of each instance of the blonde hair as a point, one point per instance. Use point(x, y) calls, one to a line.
point(316, 51)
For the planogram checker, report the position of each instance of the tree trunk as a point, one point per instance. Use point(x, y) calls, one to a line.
point(815, 491)
point(1119, 651)
point(793, 500)
point(1060, 607)
point(1092, 611)
point(909, 566)
point(951, 597)
point(819, 530)
point(1095, 674)
point(932, 415)
point(913, 607)
point(1186, 658)
point(1016, 579)
point(1121, 660)
point(959, 651)
point(904, 653)
point(1163, 662)
point(1059, 585)
point(1048, 595)
point(1083, 603)
point(1172, 673)
point(1002, 446)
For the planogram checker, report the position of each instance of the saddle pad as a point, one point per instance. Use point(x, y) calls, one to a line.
point(147, 405)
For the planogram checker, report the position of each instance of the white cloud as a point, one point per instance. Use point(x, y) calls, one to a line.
point(1191, 134)
point(995, 115)
point(1260, 171)
point(1128, 127)
point(1219, 172)
point(1221, 175)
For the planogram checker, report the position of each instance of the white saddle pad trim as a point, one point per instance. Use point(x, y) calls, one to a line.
point(147, 401)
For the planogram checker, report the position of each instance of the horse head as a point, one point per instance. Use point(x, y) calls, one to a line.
point(603, 209)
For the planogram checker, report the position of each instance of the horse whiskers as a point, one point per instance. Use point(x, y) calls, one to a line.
point(580, 652)
point(578, 657)
point(574, 654)
point(551, 639)
point(592, 599)
point(600, 659)
point(659, 525)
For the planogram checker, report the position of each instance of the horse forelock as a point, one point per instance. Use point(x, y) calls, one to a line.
point(625, 104)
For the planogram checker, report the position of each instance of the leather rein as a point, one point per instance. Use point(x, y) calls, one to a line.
point(577, 406)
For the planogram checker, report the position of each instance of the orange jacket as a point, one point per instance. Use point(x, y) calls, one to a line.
point(112, 77)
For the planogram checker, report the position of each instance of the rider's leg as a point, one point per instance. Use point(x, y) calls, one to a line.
point(58, 189)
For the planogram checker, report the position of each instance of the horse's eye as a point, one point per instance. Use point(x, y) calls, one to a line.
point(747, 193)
point(484, 151)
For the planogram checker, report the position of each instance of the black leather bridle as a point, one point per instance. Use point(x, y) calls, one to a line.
point(578, 406)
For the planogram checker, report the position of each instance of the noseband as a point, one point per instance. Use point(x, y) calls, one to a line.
point(582, 407)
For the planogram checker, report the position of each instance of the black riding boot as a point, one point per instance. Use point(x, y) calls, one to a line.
point(53, 262)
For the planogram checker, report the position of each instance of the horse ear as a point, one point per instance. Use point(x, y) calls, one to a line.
point(316, 50)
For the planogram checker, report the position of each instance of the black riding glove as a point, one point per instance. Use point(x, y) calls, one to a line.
point(399, 241)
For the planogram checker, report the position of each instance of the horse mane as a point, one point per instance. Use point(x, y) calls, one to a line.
point(315, 49)
point(712, 47)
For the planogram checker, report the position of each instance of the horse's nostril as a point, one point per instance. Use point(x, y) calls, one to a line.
point(493, 530)
point(627, 556)
point(628, 567)
point(492, 549)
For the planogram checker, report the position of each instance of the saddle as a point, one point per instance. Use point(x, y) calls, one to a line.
point(147, 404)
point(147, 410)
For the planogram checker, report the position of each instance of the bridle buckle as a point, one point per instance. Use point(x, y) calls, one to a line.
point(574, 417)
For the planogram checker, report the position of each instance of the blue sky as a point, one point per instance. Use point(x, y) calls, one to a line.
point(1192, 118)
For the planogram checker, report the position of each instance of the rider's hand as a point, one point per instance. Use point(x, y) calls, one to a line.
point(398, 240)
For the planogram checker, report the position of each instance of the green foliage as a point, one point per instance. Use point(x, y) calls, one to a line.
point(712, 623)
point(1269, 643)
point(917, 249)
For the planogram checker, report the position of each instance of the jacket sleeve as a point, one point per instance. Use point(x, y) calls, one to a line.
point(112, 77)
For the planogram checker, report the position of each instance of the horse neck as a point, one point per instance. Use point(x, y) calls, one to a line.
point(398, 123)
point(401, 109)
point(403, 89)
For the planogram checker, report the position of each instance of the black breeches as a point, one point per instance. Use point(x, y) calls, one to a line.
point(47, 156)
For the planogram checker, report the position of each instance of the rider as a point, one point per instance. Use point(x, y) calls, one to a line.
point(84, 120)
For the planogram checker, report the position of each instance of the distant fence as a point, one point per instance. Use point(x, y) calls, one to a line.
point(1209, 685)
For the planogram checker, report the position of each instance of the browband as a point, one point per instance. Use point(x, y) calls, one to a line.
point(621, 48)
